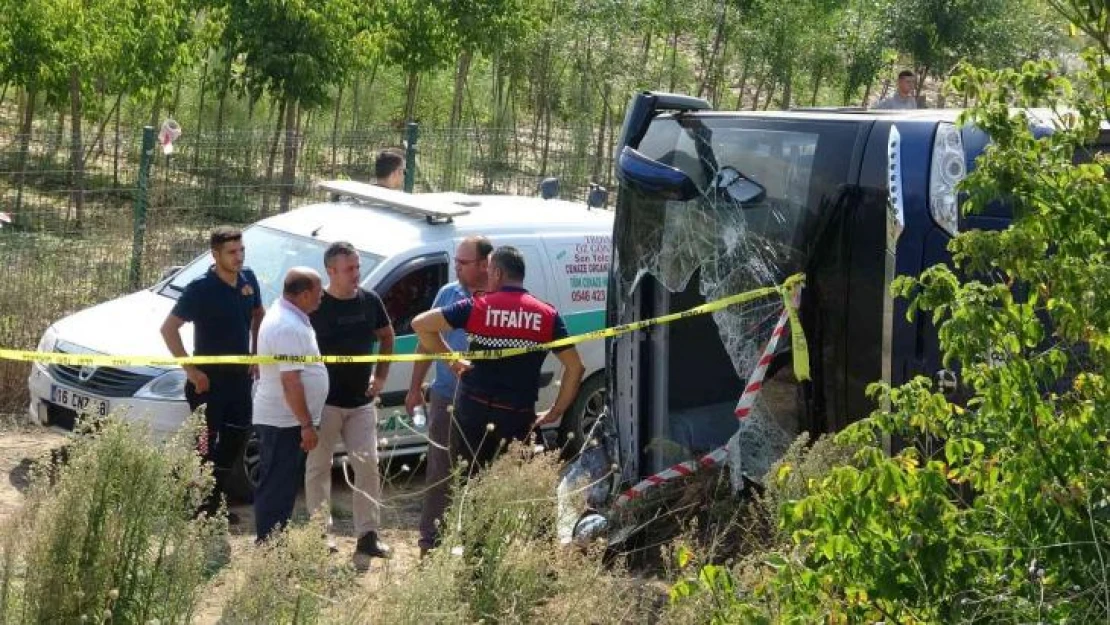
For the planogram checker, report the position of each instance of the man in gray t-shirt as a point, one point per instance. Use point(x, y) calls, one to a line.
point(904, 98)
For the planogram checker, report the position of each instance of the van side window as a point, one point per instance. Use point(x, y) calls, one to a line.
point(411, 288)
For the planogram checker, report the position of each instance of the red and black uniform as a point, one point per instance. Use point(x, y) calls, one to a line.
point(501, 391)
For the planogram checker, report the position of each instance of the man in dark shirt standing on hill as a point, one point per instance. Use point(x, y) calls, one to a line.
point(496, 401)
point(225, 307)
point(348, 323)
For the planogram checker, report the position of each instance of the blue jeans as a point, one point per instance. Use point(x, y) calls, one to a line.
point(279, 477)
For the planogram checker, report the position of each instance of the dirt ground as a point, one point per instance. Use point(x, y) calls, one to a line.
point(21, 443)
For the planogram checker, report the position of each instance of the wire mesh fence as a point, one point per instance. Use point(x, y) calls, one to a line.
point(74, 236)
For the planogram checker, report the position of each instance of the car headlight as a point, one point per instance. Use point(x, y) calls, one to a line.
point(168, 386)
point(48, 341)
point(47, 344)
point(948, 169)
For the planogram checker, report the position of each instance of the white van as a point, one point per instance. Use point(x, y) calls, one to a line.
point(406, 243)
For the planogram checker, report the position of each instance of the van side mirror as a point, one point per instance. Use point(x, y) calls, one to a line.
point(549, 188)
point(598, 196)
point(169, 272)
point(651, 176)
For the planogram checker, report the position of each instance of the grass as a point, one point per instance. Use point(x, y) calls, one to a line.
point(110, 535)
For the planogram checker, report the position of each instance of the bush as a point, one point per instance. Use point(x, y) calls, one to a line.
point(288, 579)
point(500, 561)
point(114, 539)
point(996, 511)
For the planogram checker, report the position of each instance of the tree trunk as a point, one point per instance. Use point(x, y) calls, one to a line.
point(816, 85)
point(99, 140)
point(289, 156)
point(708, 73)
point(176, 97)
point(115, 149)
point(787, 88)
point(602, 126)
point(221, 110)
point(59, 136)
point(156, 108)
point(770, 94)
point(200, 113)
point(546, 139)
point(462, 71)
point(674, 58)
point(743, 82)
point(410, 96)
point(272, 158)
point(76, 152)
point(24, 145)
point(335, 130)
point(759, 91)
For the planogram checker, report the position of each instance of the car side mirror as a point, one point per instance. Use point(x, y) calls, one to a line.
point(651, 176)
point(169, 272)
point(549, 188)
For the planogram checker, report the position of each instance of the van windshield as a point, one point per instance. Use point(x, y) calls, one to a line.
point(269, 253)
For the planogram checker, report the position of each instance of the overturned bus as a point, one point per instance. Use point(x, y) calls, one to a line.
point(717, 203)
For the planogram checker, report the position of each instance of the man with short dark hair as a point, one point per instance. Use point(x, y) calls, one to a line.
point(349, 322)
point(904, 97)
point(389, 169)
point(471, 271)
point(496, 399)
point(289, 399)
point(225, 307)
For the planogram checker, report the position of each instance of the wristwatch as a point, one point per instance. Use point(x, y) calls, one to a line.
point(315, 428)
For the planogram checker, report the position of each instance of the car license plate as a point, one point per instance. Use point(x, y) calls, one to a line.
point(78, 402)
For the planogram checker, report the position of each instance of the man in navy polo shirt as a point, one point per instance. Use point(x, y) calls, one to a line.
point(496, 401)
point(225, 307)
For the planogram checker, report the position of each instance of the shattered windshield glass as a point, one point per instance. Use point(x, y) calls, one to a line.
point(731, 247)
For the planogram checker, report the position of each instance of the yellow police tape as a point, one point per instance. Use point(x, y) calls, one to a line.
point(786, 290)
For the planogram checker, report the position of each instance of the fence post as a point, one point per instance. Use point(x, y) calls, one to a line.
point(139, 212)
point(412, 132)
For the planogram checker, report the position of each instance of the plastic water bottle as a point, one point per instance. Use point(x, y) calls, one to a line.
point(419, 418)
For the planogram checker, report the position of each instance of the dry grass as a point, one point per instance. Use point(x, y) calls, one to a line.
point(110, 534)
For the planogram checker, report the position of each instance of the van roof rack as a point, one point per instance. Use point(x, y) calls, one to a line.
point(435, 209)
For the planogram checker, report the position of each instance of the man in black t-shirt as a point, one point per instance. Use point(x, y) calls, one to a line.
point(349, 322)
point(225, 307)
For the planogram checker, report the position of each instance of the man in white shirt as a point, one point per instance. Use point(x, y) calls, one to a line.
point(904, 97)
point(289, 399)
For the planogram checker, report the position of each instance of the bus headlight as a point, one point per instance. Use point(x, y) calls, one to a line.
point(948, 169)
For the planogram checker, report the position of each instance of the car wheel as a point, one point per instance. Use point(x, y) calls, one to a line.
point(583, 413)
point(244, 472)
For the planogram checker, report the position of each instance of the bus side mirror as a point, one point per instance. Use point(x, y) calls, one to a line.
point(655, 178)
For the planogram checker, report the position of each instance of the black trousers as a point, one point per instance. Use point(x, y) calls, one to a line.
point(473, 440)
point(279, 477)
point(227, 420)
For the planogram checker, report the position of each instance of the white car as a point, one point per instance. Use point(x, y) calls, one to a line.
point(406, 243)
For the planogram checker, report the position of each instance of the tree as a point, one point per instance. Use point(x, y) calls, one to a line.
point(296, 50)
point(418, 37)
point(32, 60)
